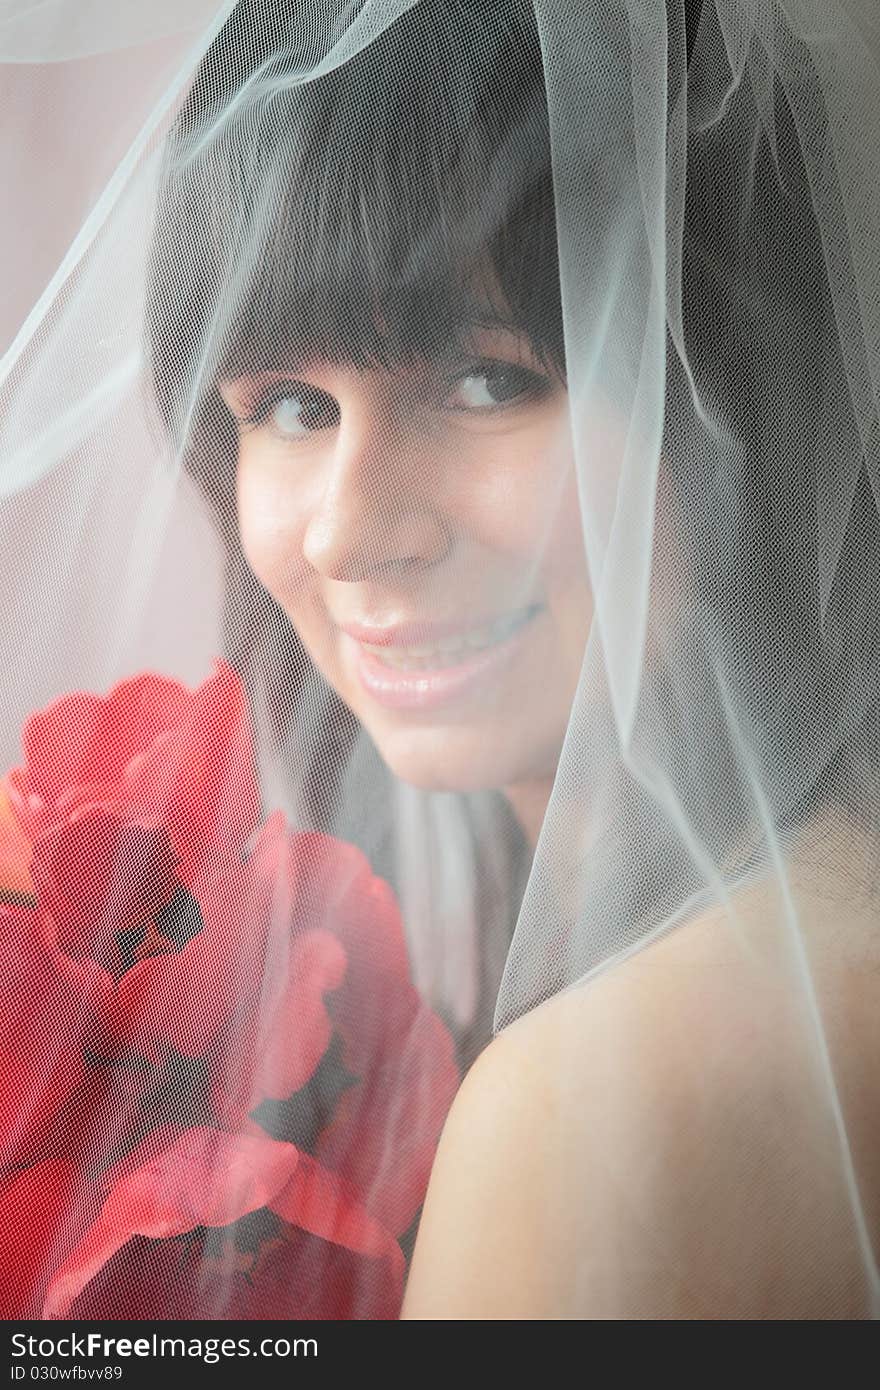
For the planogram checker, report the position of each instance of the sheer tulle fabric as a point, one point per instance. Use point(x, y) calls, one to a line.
point(661, 220)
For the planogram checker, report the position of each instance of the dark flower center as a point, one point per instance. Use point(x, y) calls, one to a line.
point(300, 1119)
point(170, 929)
point(112, 890)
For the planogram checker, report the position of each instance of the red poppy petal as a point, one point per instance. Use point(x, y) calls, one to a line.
point(37, 1080)
point(333, 885)
point(15, 854)
point(278, 1047)
point(83, 738)
point(206, 1178)
point(185, 998)
point(201, 778)
point(33, 1208)
point(46, 1007)
point(27, 950)
point(302, 1027)
point(154, 1281)
point(321, 1203)
point(152, 748)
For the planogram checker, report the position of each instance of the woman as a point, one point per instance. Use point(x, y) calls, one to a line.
point(392, 358)
point(524, 354)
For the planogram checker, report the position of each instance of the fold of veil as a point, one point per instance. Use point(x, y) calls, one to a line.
point(683, 205)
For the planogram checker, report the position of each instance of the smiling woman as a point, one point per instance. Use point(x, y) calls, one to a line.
point(521, 476)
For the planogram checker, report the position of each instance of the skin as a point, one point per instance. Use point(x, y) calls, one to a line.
point(430, 493)
point(660, 1141)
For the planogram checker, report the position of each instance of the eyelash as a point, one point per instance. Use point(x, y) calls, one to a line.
point(532, 383)
point(534, 387)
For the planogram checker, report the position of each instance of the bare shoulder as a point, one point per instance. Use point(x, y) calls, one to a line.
point(656, 1142)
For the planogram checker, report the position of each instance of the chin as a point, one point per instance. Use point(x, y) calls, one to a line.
point(451, 761)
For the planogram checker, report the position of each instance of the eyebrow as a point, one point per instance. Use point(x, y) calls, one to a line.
point(277, 364)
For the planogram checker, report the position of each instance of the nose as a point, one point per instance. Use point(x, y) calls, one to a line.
point(374, 515)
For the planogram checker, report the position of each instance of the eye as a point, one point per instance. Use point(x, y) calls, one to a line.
point(490, 385)
point(292, 410)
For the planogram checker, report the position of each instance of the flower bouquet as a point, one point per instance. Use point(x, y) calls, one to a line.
point(221, 1093)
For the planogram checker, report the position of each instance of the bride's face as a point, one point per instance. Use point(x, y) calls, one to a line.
point(420, 527)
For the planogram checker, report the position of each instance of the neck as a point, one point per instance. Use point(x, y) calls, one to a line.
point(528, 801)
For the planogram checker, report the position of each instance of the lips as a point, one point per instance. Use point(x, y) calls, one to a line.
point(418, 666)
point(445, 650)
point(428, 634)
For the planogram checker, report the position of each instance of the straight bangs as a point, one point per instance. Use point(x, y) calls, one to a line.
point(358, 218)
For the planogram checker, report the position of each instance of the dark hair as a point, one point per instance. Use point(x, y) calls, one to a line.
point(383, 209)
point(376, 218)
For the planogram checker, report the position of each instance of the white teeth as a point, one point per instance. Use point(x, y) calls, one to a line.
point(426, 658)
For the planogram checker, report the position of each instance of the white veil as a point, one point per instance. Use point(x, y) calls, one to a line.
point(653, 227)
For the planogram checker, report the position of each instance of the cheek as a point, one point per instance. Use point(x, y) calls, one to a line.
point(566, 584)
point(538, 520)
point(566, 553)
point(536, 514)
point(584, 515)
point(270, 526)
point(522, 501)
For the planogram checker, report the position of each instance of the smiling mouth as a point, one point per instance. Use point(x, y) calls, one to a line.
point(453, 649)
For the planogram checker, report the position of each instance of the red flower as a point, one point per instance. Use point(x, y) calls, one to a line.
point(220, 1083)
point(83, 942)
point(38, 1207)
point(40, 1043)
point(150, 753)
point(137, 808)
point(208, 1180)
point(101, 879)
point(375, 1112)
